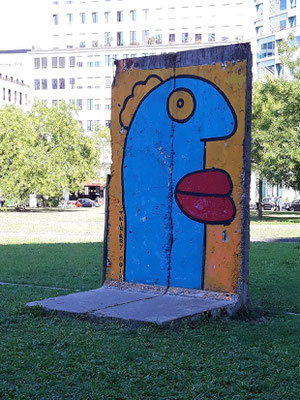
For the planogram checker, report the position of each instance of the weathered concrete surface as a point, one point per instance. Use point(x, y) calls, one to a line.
point(137, 306)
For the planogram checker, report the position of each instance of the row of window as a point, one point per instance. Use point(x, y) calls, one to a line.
point(92, 104)
point(119, 16)
point(61, 62)
point(13, 96)
point(146, 38)
point(94, 17)
point(60, 83)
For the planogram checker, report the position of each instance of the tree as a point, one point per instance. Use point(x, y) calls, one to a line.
point(44, 151)
point(276, 132)
point(17, 154)
point(290, 55)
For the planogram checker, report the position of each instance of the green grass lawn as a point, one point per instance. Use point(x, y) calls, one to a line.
point(44, 356)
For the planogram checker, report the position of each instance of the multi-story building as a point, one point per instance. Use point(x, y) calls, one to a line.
point(14, 82)
point(274, 20)
point(87, 36)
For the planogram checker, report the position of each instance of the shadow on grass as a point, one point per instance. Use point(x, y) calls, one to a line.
point(62, 265)
point(284, 217)
point(42, 210)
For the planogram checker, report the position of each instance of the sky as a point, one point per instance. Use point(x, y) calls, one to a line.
point(23, 23)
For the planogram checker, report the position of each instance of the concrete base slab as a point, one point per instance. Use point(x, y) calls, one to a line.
point(136, 306)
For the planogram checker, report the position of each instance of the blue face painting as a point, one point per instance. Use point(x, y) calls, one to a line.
point(167, 193)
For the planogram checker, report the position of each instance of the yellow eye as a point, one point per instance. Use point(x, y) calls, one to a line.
point(181, 105)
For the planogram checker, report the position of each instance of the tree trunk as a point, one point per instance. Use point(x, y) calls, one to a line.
point(259, 208)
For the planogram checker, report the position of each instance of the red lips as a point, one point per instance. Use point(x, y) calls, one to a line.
point(204, 196)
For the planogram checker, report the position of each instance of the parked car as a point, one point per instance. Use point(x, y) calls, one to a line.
point(295, 205)
point(86, 203)
point(268, 203)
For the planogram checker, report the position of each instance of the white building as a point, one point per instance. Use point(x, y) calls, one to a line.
point(274, 20)
point(14, 81)
point(87, 36)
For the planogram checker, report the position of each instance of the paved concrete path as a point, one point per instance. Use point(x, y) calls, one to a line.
point(137, 306)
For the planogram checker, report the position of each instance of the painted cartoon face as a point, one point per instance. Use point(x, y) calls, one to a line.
point(166, 189)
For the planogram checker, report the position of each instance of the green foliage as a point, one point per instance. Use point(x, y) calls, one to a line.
point(290, 55)
point(276, 131)
point(44, 151)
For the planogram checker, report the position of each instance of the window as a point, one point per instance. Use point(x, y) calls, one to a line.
point(72, 61)
point(125, 55)
point(107, 38)
point(97, 105)
point(62, 83)
point(82, 17)
point(55, 19)
point(106, 16)
point(293, 3)
point(132, 37)
point(259, 11)
point(95, 17)
point(211, 37)
point(198, 37)
point(282, 4)
point(108, 106)
point(79, 104)
point(54, 83)
point(72, 83)
point(95, 43)
point(171, 37)
point(20, 98)
point(54, 103)
point(37, 63)
point(108, 82)
point(61, 62)
point(158, 38)
point(145, 12)
point(54, 62)
point(70, 18)
point(145, 36)
point(107, 123)
point(44, 84)
point(184, 37)
point(37, 84)
point(267, 50)
point(120, 39)
point(133, 15)
point(82, 44)
point(292, 21)
point(44, 62)
point(97, 124)
point(79, 64)
point(279, 69)
point(90, 64)
point(120, 16)
point(15, 96)
point(3, 94)
point(282, 24)
point(90, 104)
point(108, 60)
point(9, 94)
point(90, 126)
point(259, 30)
point(97, 64)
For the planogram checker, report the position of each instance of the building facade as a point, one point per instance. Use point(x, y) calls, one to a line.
point(87, 36)
point(14, 80)
point(274, 21)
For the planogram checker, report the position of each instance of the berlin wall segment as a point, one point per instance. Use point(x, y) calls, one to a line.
point(179, 189)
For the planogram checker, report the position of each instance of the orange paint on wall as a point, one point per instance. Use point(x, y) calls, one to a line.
point(223, 246)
